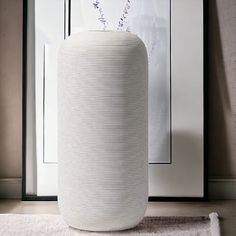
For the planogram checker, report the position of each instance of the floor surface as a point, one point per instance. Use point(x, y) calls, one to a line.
point(225, 208)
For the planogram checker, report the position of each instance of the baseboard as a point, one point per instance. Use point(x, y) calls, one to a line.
point(222, 188)
point(10, 188)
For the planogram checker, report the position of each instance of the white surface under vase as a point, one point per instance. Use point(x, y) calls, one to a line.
point(103, 130)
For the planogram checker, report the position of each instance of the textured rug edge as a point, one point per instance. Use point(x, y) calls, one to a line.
point(215, 224)
point(213, 228)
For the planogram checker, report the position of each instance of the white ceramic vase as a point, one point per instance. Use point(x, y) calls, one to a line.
point(103, 130)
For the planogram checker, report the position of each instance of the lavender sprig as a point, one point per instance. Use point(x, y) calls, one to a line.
point(124, 15)
point(102, 19)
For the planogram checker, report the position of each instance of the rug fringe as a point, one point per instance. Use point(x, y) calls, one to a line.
point(215, 224)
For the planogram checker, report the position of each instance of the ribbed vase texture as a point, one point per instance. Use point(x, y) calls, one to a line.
point(103, 130)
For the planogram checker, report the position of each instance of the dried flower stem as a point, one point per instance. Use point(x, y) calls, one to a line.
point(124, 15)
point(102, 19)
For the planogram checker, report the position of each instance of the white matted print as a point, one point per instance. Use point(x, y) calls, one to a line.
point(184, 176)
point(150, 20)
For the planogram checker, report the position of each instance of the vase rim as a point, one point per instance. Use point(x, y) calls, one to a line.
point(107, 31)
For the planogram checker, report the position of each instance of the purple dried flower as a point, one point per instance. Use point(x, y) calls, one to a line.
point(124, 15)
point(102, 19)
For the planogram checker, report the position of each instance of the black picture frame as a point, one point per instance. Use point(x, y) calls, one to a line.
point(27, 197)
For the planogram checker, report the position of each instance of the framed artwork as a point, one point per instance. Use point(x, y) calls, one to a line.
point(173, 33)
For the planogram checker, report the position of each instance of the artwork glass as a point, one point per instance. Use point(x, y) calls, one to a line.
point(150, 20)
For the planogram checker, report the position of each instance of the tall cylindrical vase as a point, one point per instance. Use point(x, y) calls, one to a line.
point(103, 130)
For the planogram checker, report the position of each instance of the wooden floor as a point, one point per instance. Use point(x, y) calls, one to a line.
point(225, 208)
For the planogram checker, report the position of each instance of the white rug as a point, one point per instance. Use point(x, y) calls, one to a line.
point(50, 225)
